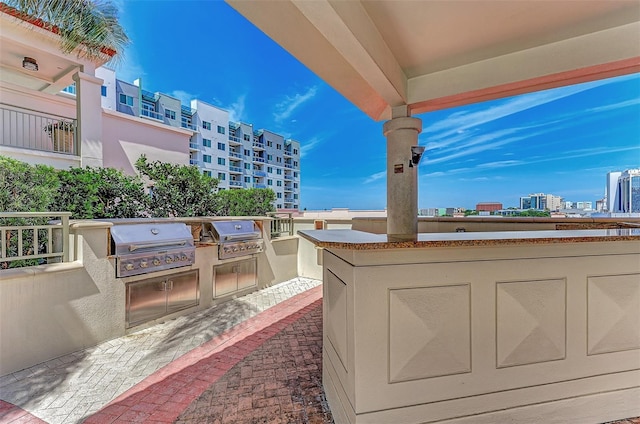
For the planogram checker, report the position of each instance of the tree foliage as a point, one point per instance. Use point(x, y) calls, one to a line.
point(100, 193)
point(26, 188)
point(249, 202)
point(92, 24)
point(178, 190)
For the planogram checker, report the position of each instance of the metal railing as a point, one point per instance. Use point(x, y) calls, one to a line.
point(258, 144)
point(235, 183)
point(235, 155)
point(235, 139)
point(259, 173)
point(236, 169)
point(258, 159)
point(31, 238)
point(194, 162)
point(282, 224)
point(34, 130)
point(152, 114)
point(194, 146)
point(189, 126)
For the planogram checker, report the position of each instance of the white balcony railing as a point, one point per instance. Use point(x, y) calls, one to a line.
point(30, 129)
point(32, 237)
point(235, 155)
point(152, 114)
point(234, 183)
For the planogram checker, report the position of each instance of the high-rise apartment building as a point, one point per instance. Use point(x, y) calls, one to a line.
point(238, 155)
point(627, 195)
point(611, 191)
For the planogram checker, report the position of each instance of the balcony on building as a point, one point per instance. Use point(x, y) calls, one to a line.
point(193, 146)
point(28, 129)
point(259, 159)
point(259, 173)
point(193, 161)
point(235, 154)
point(235, 183)
point(234, 141)
point(235, 170)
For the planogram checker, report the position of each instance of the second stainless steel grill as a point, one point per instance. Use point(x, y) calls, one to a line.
point(141, 248)
point(236, 238)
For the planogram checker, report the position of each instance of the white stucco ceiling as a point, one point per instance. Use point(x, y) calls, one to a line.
point(433, 54)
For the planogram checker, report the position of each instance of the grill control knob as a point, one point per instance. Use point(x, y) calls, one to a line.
point(144, 264)
point(168, 259)
point(129, 266)
point(156, 261)
point(184, 257)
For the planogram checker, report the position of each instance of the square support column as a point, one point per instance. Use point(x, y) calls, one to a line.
point(89, 113)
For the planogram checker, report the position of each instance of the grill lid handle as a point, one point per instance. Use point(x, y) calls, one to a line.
point(135, 247)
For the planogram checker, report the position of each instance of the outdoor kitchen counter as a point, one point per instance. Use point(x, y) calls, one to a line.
point(360, 240)
point(481, 327)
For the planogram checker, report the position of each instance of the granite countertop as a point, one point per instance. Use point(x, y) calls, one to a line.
point(360, 240)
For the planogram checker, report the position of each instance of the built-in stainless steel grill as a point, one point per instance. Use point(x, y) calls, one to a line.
point(141, 248)
point(236, 238)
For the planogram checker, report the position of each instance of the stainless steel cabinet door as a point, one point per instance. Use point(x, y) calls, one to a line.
point(146, 300)
point(225, 279)
point(247, 273)
point(182, 291)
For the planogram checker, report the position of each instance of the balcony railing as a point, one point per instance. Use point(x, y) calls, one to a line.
point(288, 165)
point(282, 224)
point(194, 146)
point(152, 114)
point(29, 238)
point(258, 145)
point(258, 159)
point(189, 126)
point(235, 169)
point(259, 173)
point(194, 162)
point(235, 155)
point(29, 129)
point(256, 185)
point(234, 183)
point(235, 139)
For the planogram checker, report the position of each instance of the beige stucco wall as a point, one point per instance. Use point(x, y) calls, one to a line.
point(50, 310)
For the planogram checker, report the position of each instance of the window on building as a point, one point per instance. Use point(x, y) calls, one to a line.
point(247, 179)
point(221, 161)
point(207, 173)
point(269, 143)
point(295, 163)
point(295, 196)
point(279, 206)
point(279, 146)
point(279, 183)
point(206, 158)
point(295, 175)
point(247, 152)
point(171, 114)
point(269, 182)
point(221, 146)
point(206, 125)
point(206, 142)
point(279, 171)
point(220, 130)
point(222, 176)
point(126, 100)
point(269, 157)
point(247, 166)
point(279, 160)
point(247, 137)
point(269, 169)
point(103, 91)
point(279, 195)
point(295, 151)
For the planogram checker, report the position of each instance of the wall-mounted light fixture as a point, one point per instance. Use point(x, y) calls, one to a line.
point(29, 64)
point(416, 155)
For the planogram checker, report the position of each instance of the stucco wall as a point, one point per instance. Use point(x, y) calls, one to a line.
point(126, 137)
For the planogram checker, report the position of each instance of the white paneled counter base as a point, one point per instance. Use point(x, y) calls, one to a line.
point(527, 327)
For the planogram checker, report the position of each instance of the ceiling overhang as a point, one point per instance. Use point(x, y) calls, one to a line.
point(429, 55)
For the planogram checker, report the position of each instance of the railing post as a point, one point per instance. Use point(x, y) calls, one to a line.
point(65, 238)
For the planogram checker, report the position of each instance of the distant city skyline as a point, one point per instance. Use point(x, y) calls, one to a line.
point(561, 141)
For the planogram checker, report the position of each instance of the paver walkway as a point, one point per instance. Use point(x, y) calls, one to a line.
point(73, 387)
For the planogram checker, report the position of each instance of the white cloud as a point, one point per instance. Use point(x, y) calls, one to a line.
point(184, 97)
point(375, 177)
point(285, 108)
point(310, 145)
point(236, 109)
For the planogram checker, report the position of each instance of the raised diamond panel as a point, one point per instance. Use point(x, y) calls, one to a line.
point(614, 313)
point(531, 321)
point(429, 332)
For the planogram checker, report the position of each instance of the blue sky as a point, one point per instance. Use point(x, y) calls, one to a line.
point(561, 141)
